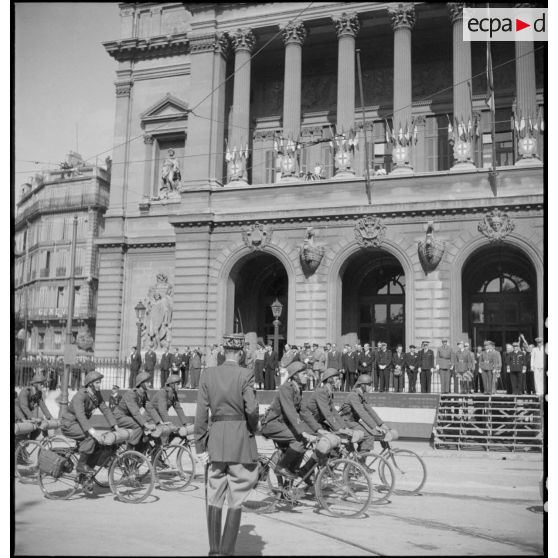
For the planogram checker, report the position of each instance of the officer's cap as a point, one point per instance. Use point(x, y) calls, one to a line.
point(233, 342)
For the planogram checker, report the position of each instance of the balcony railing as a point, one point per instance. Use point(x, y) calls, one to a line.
point(54, 313)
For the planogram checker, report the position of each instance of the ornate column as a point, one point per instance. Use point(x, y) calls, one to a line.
point(294, 35)
point(243, 42)
point(148, 167)
point(526, 113)
point(347, 26)
point(402, 22)
point(463, 146)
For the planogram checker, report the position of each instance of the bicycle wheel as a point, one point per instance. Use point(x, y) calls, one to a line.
point(27, 460)
point(344, 488)
point(64, 486)
point(409, 469)
point(174, 467)
point(131, 477)
point(261, 499)
point(381, 473)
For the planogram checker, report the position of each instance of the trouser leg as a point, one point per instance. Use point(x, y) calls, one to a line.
point(444, 380)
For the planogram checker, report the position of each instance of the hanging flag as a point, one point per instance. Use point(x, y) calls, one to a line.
point(388, 139)
point(415, 134)
point(489, 79)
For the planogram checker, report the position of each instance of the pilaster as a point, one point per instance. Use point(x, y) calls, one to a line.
point(148, 166)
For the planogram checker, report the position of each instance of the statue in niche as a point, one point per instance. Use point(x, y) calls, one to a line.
point(158, 314)
point(170, 175)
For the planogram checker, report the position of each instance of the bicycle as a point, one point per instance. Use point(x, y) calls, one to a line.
point(130, 474)
point(26, 456)
point(342, 486)
point(173, 462)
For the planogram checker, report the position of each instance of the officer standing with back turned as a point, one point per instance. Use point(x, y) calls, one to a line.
point(229, 444)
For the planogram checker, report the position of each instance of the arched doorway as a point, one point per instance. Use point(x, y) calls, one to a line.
point(373, 302)
point(499, 296)
point(255, 282)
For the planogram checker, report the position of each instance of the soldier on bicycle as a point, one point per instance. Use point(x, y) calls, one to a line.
point(75, 422)
point(166, 398)
point(30, 400)
point(356, 411)
point(128, 411)
point(282, 422)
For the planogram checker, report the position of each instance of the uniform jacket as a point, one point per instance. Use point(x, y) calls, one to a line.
point(161, 402)
point(516, 362)
point(18, 413)
point(334, 359)
point(355, 407)
point(290, 356)
point(318, 364)
point(114, 399)
point(176, 358)
point(166, 362)
point(366, 362)
point(350, 362)
point(135, 361)
point(319, 408)
point(81, 408)
point(411, 360)
point(227, 391)
point(307, 355)
point(462, 360)
point(131, 404)
point(426, 359)
point(383, 358)
point(221, 357)
point(490, 360)
point(149, 361)
point(285, 408)
point(444, 357)
point(537, 357)
point(29, 402)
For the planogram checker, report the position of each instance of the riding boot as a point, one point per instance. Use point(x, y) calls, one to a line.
point(82, 466)
point(286, 465)
point(214, 530)
point(230, 532)
point(305, 469)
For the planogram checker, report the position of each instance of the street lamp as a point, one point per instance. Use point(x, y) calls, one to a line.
point(140, 314)
point(276, 309)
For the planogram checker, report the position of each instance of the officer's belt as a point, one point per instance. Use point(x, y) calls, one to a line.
point(228, 418)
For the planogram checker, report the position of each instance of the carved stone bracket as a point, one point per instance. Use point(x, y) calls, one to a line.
point(346, 24)
point(123, 88)
point(370, 232)
point(294, 32)
point(496, 225)
point(310, 254)
point(243, 39)
point(430, 251)
point(455, 11)
point(402, 15)
point(256, 236)
point(148, 140)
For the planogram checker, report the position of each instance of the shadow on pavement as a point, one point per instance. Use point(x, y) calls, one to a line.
point(249, 543)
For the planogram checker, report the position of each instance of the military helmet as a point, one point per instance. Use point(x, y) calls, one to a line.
point(329, 373)
point(92, 376)
point(294, 368)
point(173, 379)
point(364, 379)
point(38, 378)
point(142, 377)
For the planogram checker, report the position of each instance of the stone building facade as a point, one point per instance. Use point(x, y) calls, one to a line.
point(246, 170)
point(43, 226)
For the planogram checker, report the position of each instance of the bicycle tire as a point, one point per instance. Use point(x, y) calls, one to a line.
point(410, 471)
point(381, 473)
point(64, 486)
point(261, 499)
point(131, 477)
point(343, 488)
point(174, 467)
point(27, 461)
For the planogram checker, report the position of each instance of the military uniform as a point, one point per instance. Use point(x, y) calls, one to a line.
point(350, 365)
point(165, 367)
point(319, 411)
point(463, 361)
point(517, 367)
point(489, 365)
point(161, 402)
point(398, 364)
point(228, 391)
point(425, 366)
point(444, 359)
point(366, 365)
point(355, 408)
point(75, 423)
point(128, 413)
point(383, 367)
point(411, 368)
point(29, 403)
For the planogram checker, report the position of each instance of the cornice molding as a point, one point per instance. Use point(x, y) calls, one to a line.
point(150, 47)
point(123, 88)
